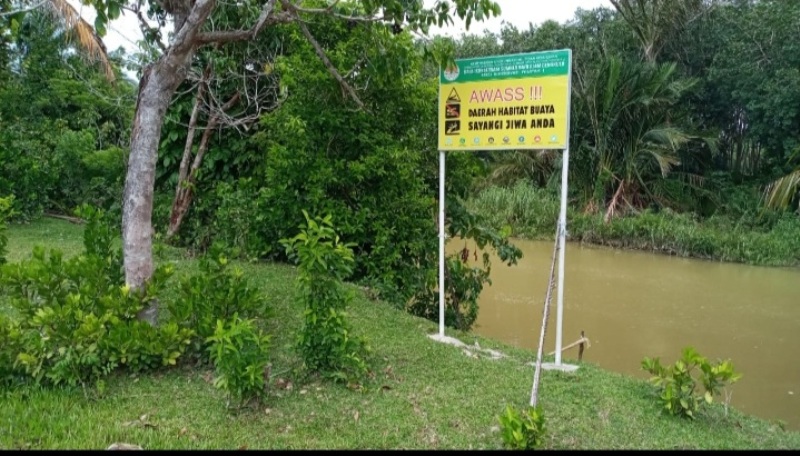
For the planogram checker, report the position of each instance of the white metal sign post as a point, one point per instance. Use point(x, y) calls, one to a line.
point(441, 243)
point(562, 234)
point(506, 102)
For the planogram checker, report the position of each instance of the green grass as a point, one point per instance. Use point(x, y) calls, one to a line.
point(531, 213)
point(423, 394)
point(47, 232)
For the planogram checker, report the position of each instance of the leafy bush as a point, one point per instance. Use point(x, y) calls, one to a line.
point(522, 430)
point(103, 176)
point(326, 343)
point(237, 217)
point(215, 293)
point(677, 385)
point(463, 283)
point(27, 169)
point(53, 167)
point(239, 354)
point(72, 321)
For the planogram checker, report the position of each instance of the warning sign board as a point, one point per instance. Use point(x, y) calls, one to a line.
point(518, 101)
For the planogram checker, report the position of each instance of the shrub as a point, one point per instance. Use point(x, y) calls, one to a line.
point(463, 286)
point(325, 341)
point(463, 282)
point(215, 293)
point(677, 386)
point(237, 218)
point(522, 430)
point(239, 354)
point(73, 322)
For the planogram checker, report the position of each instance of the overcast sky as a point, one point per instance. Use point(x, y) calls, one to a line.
point(520, 13)
point(125, 30)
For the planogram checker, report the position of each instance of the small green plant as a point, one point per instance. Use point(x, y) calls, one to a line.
point(522, 430)
point(72, 321)
point(678, 384)
point(217, 292)
point(326, 343)
point(240, 356)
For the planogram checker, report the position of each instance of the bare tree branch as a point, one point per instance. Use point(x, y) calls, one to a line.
point(145, 27)
point(327, 11)
point(262, 18)
point(328, 64)
point(265, 18)
point(183, 170)
point(185, 37)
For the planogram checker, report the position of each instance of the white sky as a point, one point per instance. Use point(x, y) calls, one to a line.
point(520, 13)
point(125, 30)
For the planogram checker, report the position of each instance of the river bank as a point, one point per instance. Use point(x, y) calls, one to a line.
point(634, 304)
point(531, 213)
point(422, 394)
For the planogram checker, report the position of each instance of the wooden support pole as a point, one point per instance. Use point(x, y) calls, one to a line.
point(579, 342)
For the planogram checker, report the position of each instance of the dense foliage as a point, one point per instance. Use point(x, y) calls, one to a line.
point(73, 321)
point(679, 121)
point(63, 126)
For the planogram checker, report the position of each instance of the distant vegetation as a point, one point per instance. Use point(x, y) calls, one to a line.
point(684, 139)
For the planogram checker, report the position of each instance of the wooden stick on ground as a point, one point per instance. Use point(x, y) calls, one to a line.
point(74, 220)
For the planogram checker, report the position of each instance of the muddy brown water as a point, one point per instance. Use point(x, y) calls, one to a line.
point(635, 304)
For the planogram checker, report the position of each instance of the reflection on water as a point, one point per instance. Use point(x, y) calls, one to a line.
point(636, 304)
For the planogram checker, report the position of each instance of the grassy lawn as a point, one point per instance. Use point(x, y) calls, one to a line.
point(422, 395)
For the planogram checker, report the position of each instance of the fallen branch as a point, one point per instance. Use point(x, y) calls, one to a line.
point(75, 220)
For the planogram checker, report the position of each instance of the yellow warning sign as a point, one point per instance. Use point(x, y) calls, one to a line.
point(519, 101)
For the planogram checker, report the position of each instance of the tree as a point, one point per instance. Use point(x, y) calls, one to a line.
point(233, 91)
point(244, 21)
point(629, 106)
point(781, 192)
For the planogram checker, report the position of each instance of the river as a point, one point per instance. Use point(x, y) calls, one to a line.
point(635, 304)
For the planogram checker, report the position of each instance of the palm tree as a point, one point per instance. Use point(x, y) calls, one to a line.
point(780, 193)
point(77, 28)
point(630, 107)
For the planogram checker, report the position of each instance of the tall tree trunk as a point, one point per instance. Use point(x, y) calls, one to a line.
point(157, 86)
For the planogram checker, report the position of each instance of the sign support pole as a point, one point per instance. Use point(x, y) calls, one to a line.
point(562, 234)
point(441, 243)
